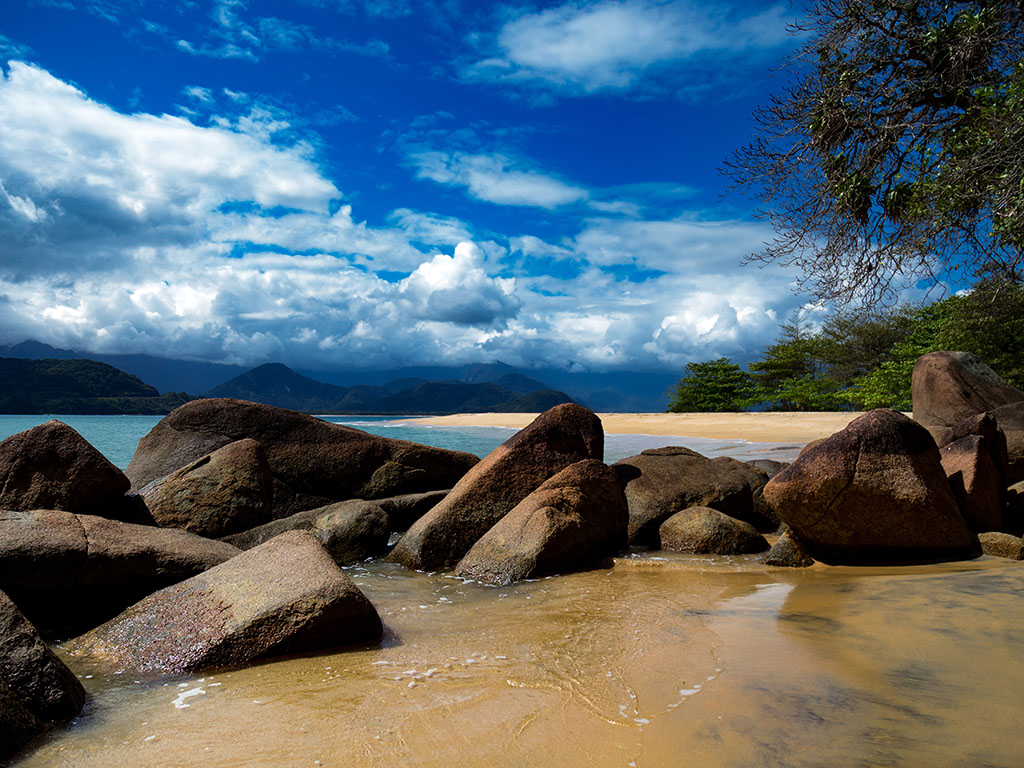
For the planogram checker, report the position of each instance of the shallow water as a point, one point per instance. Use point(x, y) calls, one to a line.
point(656, 660)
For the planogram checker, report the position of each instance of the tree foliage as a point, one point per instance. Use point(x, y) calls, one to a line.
point(712, 386)
point(864, 360)
point(896, 153)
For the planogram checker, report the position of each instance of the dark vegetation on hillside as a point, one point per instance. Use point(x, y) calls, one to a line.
point(77, 386)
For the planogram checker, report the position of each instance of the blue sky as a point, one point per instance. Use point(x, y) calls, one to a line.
point(375, 184)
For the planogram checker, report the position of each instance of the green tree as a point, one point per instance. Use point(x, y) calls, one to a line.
point(793, 374)
point(712, 386)
point(896, 152)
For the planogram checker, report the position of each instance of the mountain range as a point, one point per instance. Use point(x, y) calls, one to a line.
point(614, 391)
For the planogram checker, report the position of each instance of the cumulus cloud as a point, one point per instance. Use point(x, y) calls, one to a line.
point(151, 234)
point(612, 45)
point(496, 179)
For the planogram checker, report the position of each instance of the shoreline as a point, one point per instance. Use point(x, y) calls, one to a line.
point(766, 427)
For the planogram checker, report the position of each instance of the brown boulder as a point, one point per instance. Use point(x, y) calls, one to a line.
point(51, 466)
point(1010, 419)
point(313, 463)
point(661, 481)
point(976, 481)
point(572, 521)
point(948, 387)
point(285, 596)
point(873, 492)
point(557, 438)
point(32, 671)
point(1001, 545)
point(65, 571)
point(351, 531)
point(788, 552)
point(224, 492)
point(706, 531)
point(1013, 518)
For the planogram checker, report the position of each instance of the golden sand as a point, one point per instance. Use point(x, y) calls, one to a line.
point(774, 427)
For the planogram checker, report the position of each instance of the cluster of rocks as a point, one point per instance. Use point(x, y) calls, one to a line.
point(224, 539)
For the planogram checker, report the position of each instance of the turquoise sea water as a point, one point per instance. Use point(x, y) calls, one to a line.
point(117, 436)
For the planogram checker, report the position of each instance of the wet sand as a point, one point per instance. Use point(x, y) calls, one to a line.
point(656, 660)
point(774, 427)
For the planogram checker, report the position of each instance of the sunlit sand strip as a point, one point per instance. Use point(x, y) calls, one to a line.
point(774, 427)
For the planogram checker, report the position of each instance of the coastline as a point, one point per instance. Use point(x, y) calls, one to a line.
point(766, 427)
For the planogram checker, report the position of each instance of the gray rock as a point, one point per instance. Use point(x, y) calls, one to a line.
point(557, 438)
point(285, 596)
point(18, 726)
point(572, 521)
point(1010, 419)
point(702, 530)
point(874, 492)
point(351, 531)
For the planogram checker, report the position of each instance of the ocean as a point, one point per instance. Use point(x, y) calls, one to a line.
point(116, 437)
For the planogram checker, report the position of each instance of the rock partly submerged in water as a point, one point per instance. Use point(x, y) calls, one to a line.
point(557, 438)
point(788, 552)
point(285, 596)
point(351, 531)
point(574, 520)
point(36, 687)
point(706, 531)
point(873, 493)
point(51, 466)
point(65, 570)
point(661, 481)
point(224, 492)
point(313, 462)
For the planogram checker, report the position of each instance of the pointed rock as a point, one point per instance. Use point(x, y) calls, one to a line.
point(557, 438)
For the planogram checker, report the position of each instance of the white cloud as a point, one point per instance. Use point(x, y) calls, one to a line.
point(612, 45)
point(496, 179)
point(151, 234)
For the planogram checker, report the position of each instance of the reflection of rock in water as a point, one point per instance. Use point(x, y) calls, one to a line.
point(675, 661)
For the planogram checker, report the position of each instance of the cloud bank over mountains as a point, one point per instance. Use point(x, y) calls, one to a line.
point(221, 233)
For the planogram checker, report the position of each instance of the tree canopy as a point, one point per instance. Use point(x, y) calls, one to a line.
point(896, 152)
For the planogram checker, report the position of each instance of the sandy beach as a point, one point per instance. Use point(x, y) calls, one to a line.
point(774, 427)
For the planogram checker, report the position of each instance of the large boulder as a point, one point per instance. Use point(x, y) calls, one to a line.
point(66, 571)
point(224, 492)
point(874, 492)
point(948, 387)
point(661, 481)
point(51, 466)
point(350, 531)
point(313, 463)
point(32, 671)
point(572, 521)
point(1010, 419)
point(18, 726)
point(557, 438)
point(285, 596)
point(706, 531)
